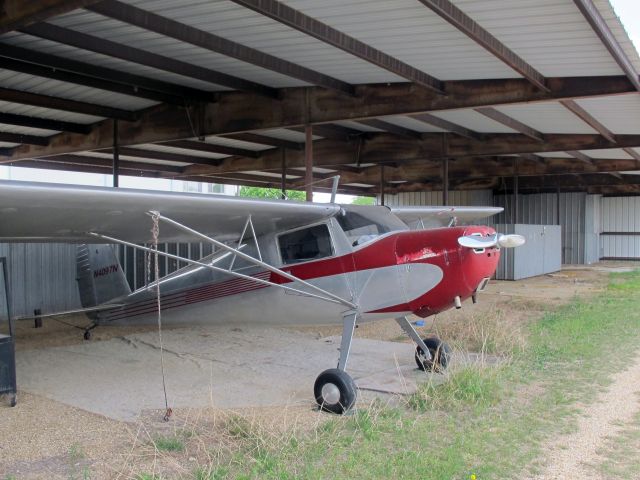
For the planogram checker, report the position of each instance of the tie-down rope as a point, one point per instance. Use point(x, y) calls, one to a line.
point(155, 231)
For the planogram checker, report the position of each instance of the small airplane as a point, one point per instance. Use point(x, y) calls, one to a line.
point(274, 262)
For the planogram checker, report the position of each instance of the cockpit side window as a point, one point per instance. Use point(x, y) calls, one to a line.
point(360, 229)
point(305, 244)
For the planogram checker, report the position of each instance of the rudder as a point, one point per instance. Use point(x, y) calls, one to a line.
point(99, 275)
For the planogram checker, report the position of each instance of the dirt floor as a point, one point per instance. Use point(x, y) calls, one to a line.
point(42, 438)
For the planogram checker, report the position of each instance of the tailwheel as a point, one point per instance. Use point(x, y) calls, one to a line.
point(87, 335)
point(335, 391)
point(440, 355)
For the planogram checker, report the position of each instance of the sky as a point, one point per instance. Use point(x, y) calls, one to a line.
point(629, 13)
point(627, 10)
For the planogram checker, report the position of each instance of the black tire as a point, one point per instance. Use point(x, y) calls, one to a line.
point(335, 391)
point(87, 335)
point(440, 355)
point(14, 400)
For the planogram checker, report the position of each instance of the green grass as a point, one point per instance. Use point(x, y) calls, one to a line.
point(169, 444)
point(491, 422)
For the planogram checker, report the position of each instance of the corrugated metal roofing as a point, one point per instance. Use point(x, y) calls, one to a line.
point(70, 91)
point(286, 134)
point(183, 151)
point(230, 142)
point(411, 124)
point(548, 117)
point(410, 32)
point(26, 130)
point(607, 153)
point(619, 113)
point(152, 161)
point(19, 109)
point(473, 120)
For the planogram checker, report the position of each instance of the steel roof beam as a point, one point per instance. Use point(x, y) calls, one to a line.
point(108, 163)
point(167, 156)
point(632, 153)
point(212, 148)
point(102, 84)
point(504, 119)
point(243, 112)
point(266, 140)
point(310, 26)
point(185, 33)
point(57, 103)
point(587, 118)
point(599, 25)
point(447, 125)
point(390, 127)
point(124, 52)
point(580, 156)
point(456, 17)
point(59, 68)
point(44, 123)
point(19, 13)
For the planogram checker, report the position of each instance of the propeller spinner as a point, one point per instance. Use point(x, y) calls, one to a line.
point(497, 239)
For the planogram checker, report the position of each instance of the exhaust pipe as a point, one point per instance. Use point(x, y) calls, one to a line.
point(457, 302)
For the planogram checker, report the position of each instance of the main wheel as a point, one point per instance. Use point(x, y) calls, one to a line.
point(335, 391)
point(440, 355)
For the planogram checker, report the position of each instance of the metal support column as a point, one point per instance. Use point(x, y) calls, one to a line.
point(116, 154)
point(515, 191)
point(283, 177)
point(308, 161)
point(445, 181)
point(382, 185)
point(7, 343)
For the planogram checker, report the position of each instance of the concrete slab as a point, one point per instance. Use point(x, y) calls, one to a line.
point(207, 366)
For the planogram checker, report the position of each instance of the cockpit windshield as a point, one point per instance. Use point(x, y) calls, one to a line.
point(361, 224)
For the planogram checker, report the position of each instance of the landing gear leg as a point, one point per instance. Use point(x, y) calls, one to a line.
point(432, 354)
point(87, 331)
point(335, 390)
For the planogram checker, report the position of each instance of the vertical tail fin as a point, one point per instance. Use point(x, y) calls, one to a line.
point(99, 275)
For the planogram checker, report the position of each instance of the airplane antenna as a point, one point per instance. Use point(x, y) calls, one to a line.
point(155, 231)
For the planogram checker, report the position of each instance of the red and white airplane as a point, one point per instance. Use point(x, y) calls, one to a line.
point(275, 262)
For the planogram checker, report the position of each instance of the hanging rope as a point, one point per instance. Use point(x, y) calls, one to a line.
point(155, 231)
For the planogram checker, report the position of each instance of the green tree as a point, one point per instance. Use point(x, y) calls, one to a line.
point(259, 192)
point(364, 201)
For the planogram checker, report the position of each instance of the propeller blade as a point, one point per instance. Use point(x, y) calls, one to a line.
point(511, 241)
point(475, 241)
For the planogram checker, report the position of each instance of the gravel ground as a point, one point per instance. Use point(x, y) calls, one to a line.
point(42, 438)
point(570, 455)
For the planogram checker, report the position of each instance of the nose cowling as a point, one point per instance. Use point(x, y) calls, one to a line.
point(463, 269)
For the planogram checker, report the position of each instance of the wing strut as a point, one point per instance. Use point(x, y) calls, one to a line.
point(321, 293)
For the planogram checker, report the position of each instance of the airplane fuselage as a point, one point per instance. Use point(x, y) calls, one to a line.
point(397, 273)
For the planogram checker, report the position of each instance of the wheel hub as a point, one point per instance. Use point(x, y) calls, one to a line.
point(330, 393)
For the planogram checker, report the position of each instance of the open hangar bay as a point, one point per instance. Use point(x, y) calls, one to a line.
point(529, 105)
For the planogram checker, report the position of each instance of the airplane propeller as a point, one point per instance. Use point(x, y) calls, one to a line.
point(497, 239)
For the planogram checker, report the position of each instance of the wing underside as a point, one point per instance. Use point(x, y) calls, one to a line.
point(40, 212)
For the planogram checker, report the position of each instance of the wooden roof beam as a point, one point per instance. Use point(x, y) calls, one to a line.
point(310, 26)
point(456, 17)
point(83, 41)
point(167, 122)
point(21, 138)
point(185, 33)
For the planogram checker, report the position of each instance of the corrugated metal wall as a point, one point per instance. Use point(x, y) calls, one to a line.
point(41, 276)
point(620, 227)
point(543, 209)
point(465, 197)
point(134, 262)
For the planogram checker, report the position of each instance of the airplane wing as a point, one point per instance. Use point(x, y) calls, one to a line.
point(434, 217)
point(42, 212)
